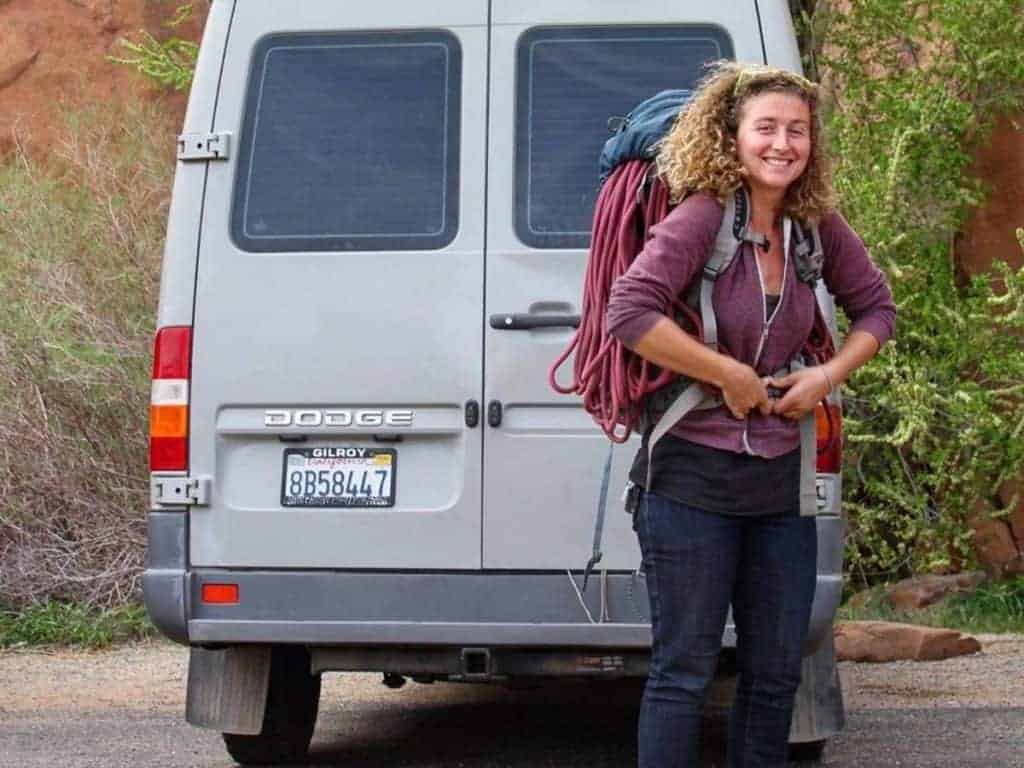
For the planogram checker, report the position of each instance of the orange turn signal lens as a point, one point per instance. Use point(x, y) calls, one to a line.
point(168, 420)
point(220, 594)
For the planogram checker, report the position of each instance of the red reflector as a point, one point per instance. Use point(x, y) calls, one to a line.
point(830, 438)
point(172, 353)
point(168, 454)
point(221, 594)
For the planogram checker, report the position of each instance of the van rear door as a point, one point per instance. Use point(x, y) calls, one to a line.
point(558, 72)
point(338, 328)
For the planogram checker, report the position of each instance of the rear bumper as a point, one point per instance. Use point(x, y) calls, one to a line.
point(363, 608)
point(609, 635)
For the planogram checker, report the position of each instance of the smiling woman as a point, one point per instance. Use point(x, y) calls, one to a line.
point(719, 523)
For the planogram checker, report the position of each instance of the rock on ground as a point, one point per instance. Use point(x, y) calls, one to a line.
point(922, 591)
point(881, 641)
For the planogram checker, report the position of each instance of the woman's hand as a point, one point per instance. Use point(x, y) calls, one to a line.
point(804, 389)
point(743, 389)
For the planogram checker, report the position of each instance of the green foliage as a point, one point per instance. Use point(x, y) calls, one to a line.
point(74, 625)
point(171, 63)
point(991, 607)
point(811, 21)
point(934, 425)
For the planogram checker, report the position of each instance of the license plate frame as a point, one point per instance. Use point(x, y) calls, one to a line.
point(362, 462)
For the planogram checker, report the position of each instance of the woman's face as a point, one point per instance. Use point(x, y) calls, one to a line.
point(774, 140)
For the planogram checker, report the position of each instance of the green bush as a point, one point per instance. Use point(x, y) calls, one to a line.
point(80, 245)
point(934, 425)
point(171, 62)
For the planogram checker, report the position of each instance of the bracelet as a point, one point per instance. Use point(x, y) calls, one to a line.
point(828, 379)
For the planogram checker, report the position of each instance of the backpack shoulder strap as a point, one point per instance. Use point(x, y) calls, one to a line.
point(733, 230)
point(810, 257)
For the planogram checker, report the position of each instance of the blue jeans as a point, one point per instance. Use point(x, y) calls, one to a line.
point(696, 563)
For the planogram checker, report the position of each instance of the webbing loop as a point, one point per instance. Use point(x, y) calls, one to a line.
point(602, 506)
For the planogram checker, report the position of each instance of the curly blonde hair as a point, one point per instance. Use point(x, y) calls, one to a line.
point(699, 153)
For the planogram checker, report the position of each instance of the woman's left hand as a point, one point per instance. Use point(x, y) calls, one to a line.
point(804, 390)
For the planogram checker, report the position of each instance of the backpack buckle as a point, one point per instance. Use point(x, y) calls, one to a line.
point(749, 236)
point(618, 123)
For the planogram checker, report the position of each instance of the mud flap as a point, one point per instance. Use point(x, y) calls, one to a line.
point(227, 688)
point(819, 712)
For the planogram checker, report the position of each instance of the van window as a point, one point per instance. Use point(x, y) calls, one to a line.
point(570, 82)
point(350, 142)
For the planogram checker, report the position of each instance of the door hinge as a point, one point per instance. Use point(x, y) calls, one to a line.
point(178, 491)
point(204, 146)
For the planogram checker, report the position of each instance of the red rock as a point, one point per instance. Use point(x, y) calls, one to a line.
point(922, 591)
point(995, 545)
point(989, 233)
point(881, 641)
point(16, 54)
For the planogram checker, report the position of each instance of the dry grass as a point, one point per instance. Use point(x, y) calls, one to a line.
point(80, 245)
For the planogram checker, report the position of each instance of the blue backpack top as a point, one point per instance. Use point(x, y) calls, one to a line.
point(637, 135)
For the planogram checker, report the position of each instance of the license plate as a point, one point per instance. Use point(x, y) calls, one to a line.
point(339, 477)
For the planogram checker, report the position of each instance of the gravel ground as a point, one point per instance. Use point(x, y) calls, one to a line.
point(125, 707)
point(992, 678)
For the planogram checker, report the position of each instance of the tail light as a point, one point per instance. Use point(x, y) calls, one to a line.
point(168, 408)
point(829, 422)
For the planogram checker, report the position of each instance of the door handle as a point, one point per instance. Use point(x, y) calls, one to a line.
point(526, 322)
point(494, 413)
point(472, 413)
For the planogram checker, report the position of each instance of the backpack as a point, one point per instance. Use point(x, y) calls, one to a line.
point(636, 136)
point(623, 392)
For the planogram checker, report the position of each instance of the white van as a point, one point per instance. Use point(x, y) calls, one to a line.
point(375, 250)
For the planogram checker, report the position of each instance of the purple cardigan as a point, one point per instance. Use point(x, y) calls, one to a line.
point(674, 256)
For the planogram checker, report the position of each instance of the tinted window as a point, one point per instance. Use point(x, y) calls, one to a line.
point(570, 82)
point(350, 142)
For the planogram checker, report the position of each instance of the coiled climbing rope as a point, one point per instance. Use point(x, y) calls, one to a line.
point(613, 381)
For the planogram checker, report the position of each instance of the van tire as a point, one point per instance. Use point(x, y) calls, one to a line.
point(293, 698)
point(807, 752)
